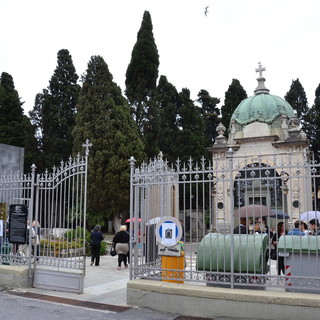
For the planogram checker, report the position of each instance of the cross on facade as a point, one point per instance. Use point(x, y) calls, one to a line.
point(260, 69)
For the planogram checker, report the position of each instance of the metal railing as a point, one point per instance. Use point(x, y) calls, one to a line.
point(57, 215)
point(211, 199)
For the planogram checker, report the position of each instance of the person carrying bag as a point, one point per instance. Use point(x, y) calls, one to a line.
point(113, 251)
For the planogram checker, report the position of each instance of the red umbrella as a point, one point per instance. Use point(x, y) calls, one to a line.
point(133, 220)
point(253, 210)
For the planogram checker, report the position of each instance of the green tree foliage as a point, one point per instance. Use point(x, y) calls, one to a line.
point(297, 98)
point(233, 96)
point(54, 112)
point(167, 101)
point(313, 128)
point(191, 138)
point(210, 116)
point(141, 80)
point(15, 127)
point(11, 112)
point(142, 71)
point(151, 130)
point(104, 118)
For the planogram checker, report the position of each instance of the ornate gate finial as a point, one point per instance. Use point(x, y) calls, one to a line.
point(87, 145)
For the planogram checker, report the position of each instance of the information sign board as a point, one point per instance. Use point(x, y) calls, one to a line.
point(18, 216)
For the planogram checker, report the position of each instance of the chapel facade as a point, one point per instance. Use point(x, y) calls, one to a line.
point(267, 149)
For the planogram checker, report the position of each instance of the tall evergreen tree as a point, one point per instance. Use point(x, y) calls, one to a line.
point(167, 101)
point(233, 96)
point(297, 98)
point(104, 118)
point(54, 112)
point(313, 128)
point(141, 81)
point(15, 127)
point(210, 115)
point(11, 112)
point(142, 71)
point(151, 130)
point(191, 138)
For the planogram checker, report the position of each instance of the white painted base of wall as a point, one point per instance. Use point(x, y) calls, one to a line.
point(201, 301)
point(58, 280)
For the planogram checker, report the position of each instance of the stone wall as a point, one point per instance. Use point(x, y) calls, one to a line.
point(11, 162)
point(11, 159)
point(201, 301)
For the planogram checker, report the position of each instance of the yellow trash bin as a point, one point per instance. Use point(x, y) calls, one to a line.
point(173, 263)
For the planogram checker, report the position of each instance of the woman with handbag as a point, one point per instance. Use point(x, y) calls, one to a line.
point(96, 238)
point(121, 244)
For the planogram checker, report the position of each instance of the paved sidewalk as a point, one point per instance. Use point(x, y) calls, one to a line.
point(105, 289)
point(102, 284)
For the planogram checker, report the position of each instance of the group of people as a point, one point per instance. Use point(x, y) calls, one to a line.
point(300, 229)
point(120, 243)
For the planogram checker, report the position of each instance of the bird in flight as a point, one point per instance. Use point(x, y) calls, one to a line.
point(206, 10)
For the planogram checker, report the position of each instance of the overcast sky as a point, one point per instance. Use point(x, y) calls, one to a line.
point(196, 51)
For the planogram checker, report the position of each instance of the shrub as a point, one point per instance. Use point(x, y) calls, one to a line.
point(103, 249)
point(76, 235)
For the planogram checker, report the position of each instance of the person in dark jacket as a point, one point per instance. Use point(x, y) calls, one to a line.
point(281, 231)
point(96, 238)
point(314, 227)
point(121, 244)
point(242, 227)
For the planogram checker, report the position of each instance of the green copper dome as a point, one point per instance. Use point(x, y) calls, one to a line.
point(263, 108)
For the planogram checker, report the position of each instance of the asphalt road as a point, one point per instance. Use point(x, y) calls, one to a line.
point(18, 308)
point(13, 307)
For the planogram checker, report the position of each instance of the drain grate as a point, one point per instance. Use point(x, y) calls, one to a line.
point(72, 302)
point(192, 318)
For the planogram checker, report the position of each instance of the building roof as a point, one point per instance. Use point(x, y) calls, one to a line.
point(261, 107)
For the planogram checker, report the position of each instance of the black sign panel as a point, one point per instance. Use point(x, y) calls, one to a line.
point(18, 216)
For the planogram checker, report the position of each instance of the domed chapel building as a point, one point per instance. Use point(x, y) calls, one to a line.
point(266, 152)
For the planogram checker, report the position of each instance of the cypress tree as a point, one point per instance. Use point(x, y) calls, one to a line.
point(151, 130)
point(233, 96)
point(15, 127)
point(142, 71)
point(141, 81)
point(11, 112)
point(54, 112)
point(104, 118)
point(210, 115)
point(297, 98)
point(190, 138)
point(313, 128)
point(167, 101)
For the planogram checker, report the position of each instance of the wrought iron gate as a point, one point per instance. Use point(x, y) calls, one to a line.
point(210, 199)
point(57, 212)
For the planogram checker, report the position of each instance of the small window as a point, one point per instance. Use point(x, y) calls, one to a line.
point(295, 204)
point(258, 200)
point(220, 205)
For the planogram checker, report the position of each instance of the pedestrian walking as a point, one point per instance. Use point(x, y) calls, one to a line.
point(96, 238)
point(121, 244)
